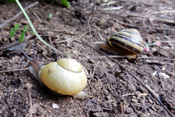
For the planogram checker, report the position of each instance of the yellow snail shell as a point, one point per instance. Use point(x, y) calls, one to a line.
point(66, 76)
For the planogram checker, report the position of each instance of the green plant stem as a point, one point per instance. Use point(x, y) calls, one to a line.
point(35, 32)
point(151, 44)
point(26, 30)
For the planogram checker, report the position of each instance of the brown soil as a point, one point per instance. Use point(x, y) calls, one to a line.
point(114, 91)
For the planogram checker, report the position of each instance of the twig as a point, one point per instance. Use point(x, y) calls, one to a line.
point(158, 75)
point(5, 47)
point(121, 108)
point(158, 19)
point(33, 107)
point(168, 41)
point(35, 14)
point(135, 77)
point(157, 58)
point(71, 40)
point(135, 26)
point(98, 57)
point(128, 94)
point(51, 43)
point(112, 8)
point(59, 31)
point(13, 70)
point(125, 24)
point(17, 15)
point(90, 31)
point(149, 14)
point(30, 100)
point(92, 74)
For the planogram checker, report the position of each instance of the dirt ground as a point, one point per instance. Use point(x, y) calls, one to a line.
point(115, 93)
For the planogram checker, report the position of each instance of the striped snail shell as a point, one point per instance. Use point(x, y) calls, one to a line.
point(126, 42)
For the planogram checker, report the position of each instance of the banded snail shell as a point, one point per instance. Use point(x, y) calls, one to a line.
point(127, 40)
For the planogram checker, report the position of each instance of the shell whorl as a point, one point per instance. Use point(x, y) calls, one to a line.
point(64, 80)
point(128, 40)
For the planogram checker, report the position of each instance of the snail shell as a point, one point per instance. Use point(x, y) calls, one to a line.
point(125, 42)
point(66, 76)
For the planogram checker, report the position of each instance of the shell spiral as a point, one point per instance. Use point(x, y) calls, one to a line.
point(127, 40)
point(66, 76)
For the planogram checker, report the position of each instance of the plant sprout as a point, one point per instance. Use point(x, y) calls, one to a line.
point(50, 16)
point(65, 3)
point(35, 32)
point(16, 27)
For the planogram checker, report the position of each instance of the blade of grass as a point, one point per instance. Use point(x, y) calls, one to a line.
point(35, 32)
point(23, 33)
point(12, 32)
point(65, 3)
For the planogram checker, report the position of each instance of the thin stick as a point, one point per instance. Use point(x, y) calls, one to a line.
point(25, 54)
point(149, 14)
point(93, 72)
point(35, 14)
point(13, 70)
point(77, 38)
point(49, 30)
point(121, 108)
point(168, 41)
point(135, 77)
point(30, 100)
point(15, 44)
point(157, 58)
point(59, 31)
point(17, 15)
point(90, 31)
point(34, 54)
point(97, 57)
point(135, 26)
point(52, 45)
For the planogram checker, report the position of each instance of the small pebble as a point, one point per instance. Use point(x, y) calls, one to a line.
point(28, 85)
point(163, 75)
point(55, 106)
point(155, 73)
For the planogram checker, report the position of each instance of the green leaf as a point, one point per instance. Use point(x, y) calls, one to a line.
point(22, 37)
point(10, 1)
point(50, 16)
point(65, 3)
point(12, 31)
point(23, 33)
point(16, 26)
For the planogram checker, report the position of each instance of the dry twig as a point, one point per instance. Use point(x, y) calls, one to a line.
point(141, 27)
point(33, 107)
point(35, 14)
point(114, 56)
point(90, 31)
point(92, 74)
point(30, 100)
point(150, 13)
point(121, 108)
point(17, 15)
point(13, 70)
